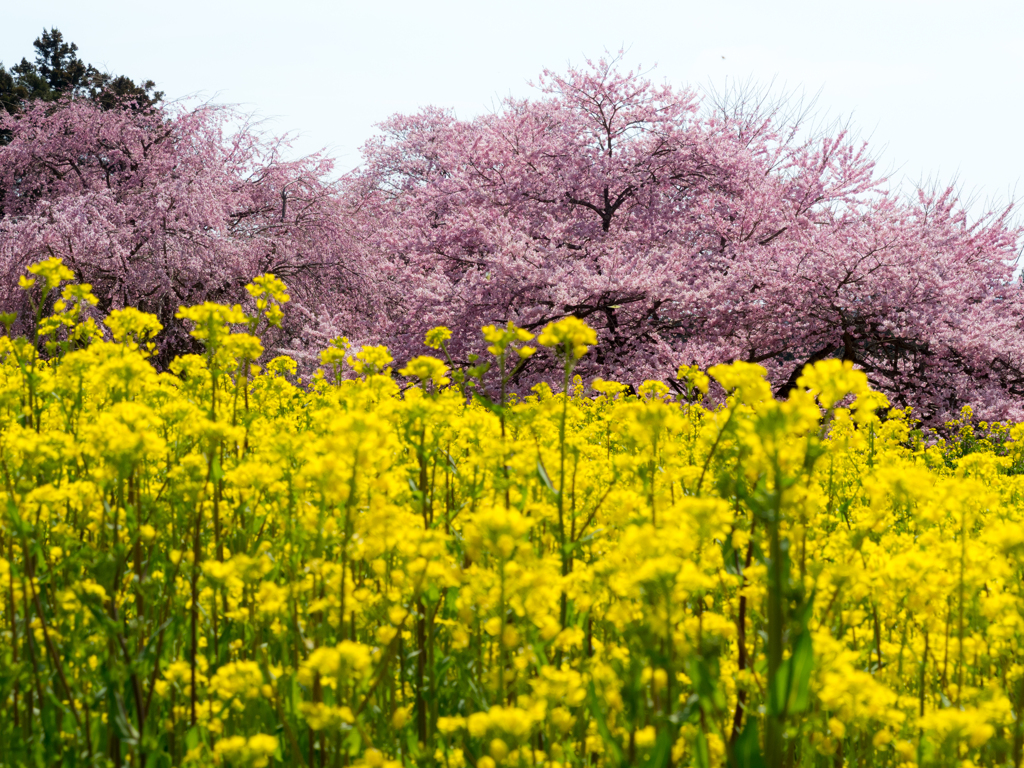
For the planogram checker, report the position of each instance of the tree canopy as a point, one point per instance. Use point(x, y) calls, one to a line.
point(58, 72)
point(683, 229)
point(158, 208)
point(689, 231)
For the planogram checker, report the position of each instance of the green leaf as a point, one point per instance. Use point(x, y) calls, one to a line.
point(746, 752)
point(602, 725)
point(487, 403)
point(791, 692)
point(412, 744)
point(451, 463)
point(805, 611)
point(353, 743)
point(704, 685)
point(662, 750)
point(731, 558)
point(123, 726)
point(157, 759)
point(544, 476)
point(690, 711)
point(149, 650)
point(702, 758)
point(802, 664)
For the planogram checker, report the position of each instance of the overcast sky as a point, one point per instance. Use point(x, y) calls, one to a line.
point(937, 86)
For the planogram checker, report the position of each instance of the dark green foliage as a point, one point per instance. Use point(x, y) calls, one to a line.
point(59, 73)
point(12, 92)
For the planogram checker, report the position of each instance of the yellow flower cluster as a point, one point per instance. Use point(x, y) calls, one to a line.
point(214, 565)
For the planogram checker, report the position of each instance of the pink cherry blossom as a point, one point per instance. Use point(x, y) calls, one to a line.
point(688, 233)
point(159, 209)
point(681, 229)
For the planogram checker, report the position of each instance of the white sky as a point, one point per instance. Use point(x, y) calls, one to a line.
point(937, 85)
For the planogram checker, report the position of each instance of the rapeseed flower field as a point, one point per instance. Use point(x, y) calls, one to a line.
point(394, 564)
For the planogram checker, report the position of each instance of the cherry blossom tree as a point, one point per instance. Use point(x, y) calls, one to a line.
point(159, 209)
point(688, 232)
point(683, 230)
